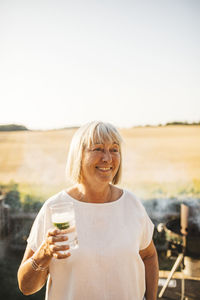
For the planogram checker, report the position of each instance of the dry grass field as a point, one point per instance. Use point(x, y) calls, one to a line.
point(157, 161)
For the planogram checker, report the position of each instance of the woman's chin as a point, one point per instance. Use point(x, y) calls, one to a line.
point(105, 177)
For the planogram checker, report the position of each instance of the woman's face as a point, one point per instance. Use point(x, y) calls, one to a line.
point(100, 163)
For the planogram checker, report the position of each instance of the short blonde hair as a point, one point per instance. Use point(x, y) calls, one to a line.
point(87, 135)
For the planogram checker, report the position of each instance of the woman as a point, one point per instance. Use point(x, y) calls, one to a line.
point(116, 258)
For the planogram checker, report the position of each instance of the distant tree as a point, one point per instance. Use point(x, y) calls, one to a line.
point(177, 123)
point(12, 196)
point(12, 127)
point(182, 123)
point(31, 204)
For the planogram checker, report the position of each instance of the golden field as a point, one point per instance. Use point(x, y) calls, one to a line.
point(157, 161)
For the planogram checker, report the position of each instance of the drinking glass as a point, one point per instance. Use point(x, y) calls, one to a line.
point(63, 217)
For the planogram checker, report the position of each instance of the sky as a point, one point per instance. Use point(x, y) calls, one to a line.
point(64, 63)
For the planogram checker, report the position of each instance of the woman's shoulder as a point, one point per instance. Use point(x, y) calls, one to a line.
point(129, 194)
point(119, 193)
point(54, 199)
point(132, 199)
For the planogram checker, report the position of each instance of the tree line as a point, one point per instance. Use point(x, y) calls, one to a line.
point(18, 202)
point(12, 127)
point(15, 127)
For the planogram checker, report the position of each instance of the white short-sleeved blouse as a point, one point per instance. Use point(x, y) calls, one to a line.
point(107, 264)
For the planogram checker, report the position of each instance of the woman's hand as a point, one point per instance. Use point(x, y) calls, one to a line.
point(30, 279)
point(50, 246)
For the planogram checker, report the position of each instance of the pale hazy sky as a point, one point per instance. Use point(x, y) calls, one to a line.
point(63, 63)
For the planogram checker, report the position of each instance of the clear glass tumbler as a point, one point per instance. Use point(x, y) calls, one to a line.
point(63, 217)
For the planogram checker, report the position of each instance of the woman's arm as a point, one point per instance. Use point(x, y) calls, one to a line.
point(30, 281)
point(150, 259)
point(30, 278)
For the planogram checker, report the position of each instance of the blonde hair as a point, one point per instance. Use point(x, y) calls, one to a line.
point(87, 135)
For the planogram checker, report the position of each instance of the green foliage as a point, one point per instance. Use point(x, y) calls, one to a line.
point(174, 123)
point(12, 127)
point(31, 204)
point(18, 201)
point(20, 231)
point(9, 264)
point(196, 186)
point(41, 191)
point(182, 123)
point(12, 197)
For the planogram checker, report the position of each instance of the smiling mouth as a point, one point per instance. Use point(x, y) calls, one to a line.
point(104, 169)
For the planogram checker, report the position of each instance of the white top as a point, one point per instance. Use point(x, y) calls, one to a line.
point(107, 264)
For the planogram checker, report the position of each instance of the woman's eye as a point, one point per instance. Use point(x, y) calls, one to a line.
point(115, 150)
point(97, 149)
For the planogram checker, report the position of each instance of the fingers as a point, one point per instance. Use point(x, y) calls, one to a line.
point(60, 251)
point(60, 255)
point(54, 237)
point(58, 238)
point(55, 231)
point(55, 248)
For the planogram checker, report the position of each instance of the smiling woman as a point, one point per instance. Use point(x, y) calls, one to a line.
point(116, 258)
point(92, 137)
point(100, 163)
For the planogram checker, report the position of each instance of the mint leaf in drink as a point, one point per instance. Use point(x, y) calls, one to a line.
point(62, 225)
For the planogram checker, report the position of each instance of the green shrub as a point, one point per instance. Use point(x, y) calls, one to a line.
point(31, 204)
point(12, 197)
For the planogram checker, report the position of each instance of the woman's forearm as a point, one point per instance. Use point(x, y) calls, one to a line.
point(32, 275)
point(30, 279)
point(151, 276)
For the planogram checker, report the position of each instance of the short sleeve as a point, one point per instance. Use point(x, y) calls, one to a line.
point(37, 232)
point(147, 232)
point(42, 223)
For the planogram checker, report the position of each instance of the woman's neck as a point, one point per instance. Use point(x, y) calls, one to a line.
point(93, 194)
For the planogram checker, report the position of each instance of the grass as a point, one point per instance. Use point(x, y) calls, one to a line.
point(157, 161)
point(39, 191)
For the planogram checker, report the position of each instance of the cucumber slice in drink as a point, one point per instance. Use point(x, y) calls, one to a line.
point(62, 225)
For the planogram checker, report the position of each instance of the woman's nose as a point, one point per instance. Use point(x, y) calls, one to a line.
point(107, 157)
